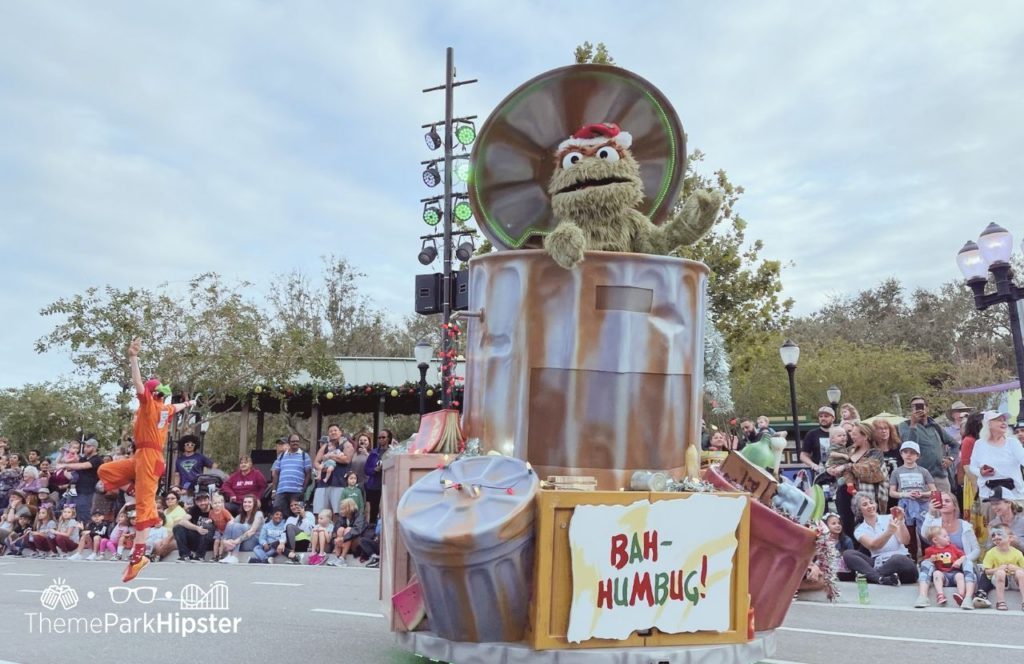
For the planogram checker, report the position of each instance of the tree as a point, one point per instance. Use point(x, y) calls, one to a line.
point(586, 53)
point(211, 341)
point(744, 290)
point(869, 376)
point(333, 309)
point(45, 415)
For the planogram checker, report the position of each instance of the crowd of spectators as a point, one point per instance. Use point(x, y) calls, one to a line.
point(318, 507)
point(924, 503)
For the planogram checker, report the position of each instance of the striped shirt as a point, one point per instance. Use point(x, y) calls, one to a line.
point(291, 470)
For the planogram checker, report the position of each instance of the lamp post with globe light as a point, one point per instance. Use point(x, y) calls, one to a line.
point(423, 352)
point(991, 253)
point(790, 354)
point(834, 394)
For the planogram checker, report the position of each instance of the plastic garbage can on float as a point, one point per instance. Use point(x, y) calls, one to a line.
point(469, 528)
point(779, 553)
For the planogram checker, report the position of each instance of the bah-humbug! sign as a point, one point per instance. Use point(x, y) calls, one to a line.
point(667, 564)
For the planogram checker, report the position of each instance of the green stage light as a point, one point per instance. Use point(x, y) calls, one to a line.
point(461, 170)
point(463, 212)
point(466, 133)
point(432, 215)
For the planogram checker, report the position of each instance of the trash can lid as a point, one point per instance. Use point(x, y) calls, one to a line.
point(473, 504)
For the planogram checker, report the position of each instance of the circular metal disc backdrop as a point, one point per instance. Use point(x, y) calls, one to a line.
point(513, 158)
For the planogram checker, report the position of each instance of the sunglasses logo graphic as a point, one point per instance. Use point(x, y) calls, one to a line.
point(142, 594)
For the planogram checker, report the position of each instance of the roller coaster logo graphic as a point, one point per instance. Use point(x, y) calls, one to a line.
point(194, 598)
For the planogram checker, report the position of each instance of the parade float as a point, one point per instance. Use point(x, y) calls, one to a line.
point(584, 528)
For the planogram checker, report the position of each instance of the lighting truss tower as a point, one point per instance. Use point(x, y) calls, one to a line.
point(446, 218)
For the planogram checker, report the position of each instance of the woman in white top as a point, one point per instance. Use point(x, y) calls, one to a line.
point(243, 531)
point(997, 458)
point(886, 537)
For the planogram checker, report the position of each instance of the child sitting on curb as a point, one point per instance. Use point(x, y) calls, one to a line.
point(93, 536)
point(948, 562)
point(272, 538)
point(1002, 563)
point(321, 537)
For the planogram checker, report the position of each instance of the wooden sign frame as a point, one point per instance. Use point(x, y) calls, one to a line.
point(552, 585)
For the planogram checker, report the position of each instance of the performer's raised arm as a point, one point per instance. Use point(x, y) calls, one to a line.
point(133, 361)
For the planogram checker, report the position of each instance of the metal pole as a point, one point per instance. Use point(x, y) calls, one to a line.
point(423, 388)
point(791, 369)
point(446, 343)
point(1018, 353)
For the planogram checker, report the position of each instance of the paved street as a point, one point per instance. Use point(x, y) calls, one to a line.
point(306, 614)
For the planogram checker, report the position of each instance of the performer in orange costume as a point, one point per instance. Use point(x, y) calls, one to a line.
point(146, 466)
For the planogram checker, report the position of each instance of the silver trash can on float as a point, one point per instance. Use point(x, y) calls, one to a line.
point(592, 371)
point(469, 530)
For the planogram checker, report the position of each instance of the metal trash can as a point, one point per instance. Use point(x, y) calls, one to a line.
point(469, 530)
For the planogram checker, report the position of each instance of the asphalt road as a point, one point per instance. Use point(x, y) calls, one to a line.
point(285, 613)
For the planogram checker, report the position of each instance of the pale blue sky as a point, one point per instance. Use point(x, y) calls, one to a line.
point(149, 141)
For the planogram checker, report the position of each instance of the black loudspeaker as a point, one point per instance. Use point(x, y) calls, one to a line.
point(460, 290)
point(428, 293)
point(262, 460)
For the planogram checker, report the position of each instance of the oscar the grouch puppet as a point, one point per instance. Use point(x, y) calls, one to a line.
point(595, 190)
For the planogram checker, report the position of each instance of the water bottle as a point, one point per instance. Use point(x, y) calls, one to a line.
point(862, 589)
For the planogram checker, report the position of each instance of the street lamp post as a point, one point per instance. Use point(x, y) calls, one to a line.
point(790, 354)
point(834, 394)
point(991, 253)
point(423, 351)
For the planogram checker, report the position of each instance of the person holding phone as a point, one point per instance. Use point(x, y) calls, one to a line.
point(945, 514)
point(885, 537)
point(937, 448)
point(996, 460)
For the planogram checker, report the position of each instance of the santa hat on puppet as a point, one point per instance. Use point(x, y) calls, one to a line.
point(595, 135)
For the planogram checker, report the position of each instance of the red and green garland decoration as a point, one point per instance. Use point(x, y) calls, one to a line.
point(452, 383)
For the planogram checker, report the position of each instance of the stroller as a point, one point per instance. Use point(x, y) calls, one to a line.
point(208, 484)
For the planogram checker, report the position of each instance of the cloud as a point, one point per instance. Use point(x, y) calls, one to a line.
point(148, 142)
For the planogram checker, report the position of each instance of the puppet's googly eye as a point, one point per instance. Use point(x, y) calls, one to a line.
point(609, 153)
point(571, 159)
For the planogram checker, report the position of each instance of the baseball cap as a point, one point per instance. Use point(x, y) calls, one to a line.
point(827, 409)
point(993, 415)
point(202, 494)
point(911, 445)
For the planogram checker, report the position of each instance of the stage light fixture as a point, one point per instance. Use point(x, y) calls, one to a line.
point(433, 139)
point(465, 251)
point(428, 254)
point(461, 170)
point(465, 133)
point(431, 176)
point(462, 211)
point(432, 214)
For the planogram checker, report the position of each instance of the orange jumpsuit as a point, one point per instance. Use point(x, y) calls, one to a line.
point(147, 464)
